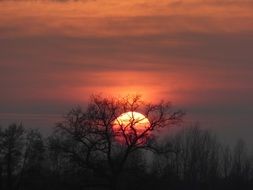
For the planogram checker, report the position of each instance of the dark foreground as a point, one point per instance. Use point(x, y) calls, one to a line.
point(198, 161)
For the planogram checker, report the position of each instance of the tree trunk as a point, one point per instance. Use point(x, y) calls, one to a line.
point(9, 170)
point(1, 181)
point(9, 173)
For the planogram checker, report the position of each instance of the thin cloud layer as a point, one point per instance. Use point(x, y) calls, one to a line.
point(198, 54)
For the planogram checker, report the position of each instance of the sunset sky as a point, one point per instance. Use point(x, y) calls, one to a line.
point(196, 53)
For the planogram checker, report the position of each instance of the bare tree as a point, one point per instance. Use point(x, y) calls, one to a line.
point(1, 158)
point(32, 157)
point(12, 144)
point(195, 157)
point(226, 162)
point(241, 167)
point(92, 140)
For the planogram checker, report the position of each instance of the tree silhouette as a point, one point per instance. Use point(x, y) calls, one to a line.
point(32, 159)
point(12, 145)
point(98, 148)
point(90, 140)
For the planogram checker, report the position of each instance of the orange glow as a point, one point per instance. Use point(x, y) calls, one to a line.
point(104, 17)
point(117, 48)
point(131, 125)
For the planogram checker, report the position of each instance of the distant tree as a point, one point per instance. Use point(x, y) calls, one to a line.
point(55, 154)
point(1, 158)
point(91, 141)
point(33, 157)
point(241, 167)
point(35, 150)
point(64, 168)
point(194, 160)
point(12, 145)
point(226, 162)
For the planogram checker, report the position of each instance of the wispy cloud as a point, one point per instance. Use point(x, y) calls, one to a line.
point(196, 53)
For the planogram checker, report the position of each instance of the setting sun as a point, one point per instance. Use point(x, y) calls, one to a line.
point(116, 95)
point(130, 124)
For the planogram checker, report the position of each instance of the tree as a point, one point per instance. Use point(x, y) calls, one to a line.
point(90, 139)
point(226, 161)
point(1, 158)
point(194, 160)
point(12, 144)
point(65, 170)
point(241, 166)
point(32, 159)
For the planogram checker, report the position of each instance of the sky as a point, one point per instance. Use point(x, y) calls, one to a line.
point(198, 54)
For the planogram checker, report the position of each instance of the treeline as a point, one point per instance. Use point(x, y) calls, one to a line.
point(200, 161)
point(97, 149)
point(194, 159)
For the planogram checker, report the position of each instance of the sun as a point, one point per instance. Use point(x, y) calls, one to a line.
point(131, 125)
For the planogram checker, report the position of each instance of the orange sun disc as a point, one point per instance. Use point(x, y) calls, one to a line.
point(130, 124)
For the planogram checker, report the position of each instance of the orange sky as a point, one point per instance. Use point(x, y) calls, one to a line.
point(132, 17)
point(196, 53)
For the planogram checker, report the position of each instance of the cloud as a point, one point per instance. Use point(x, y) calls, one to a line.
point(195, 53)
